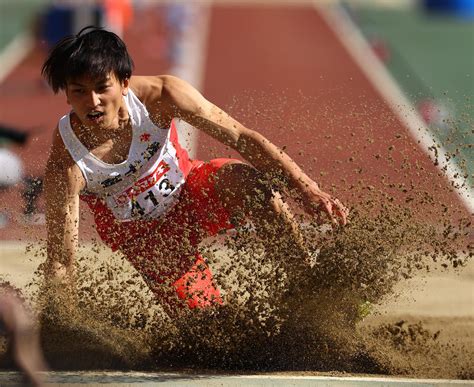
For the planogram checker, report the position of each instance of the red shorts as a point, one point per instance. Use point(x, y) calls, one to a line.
point(198, 214)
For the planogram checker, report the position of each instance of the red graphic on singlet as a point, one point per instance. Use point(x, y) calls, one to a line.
point(145, 137)
point(143, 184)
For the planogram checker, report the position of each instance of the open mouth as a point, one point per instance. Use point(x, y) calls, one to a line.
point(95, 116)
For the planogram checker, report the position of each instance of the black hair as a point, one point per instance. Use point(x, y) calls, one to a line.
point(93, 51)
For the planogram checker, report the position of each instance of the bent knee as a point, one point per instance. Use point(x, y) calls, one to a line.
point(241, 185)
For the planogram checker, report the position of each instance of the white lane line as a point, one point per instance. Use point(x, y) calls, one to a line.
point(356, 45)
point(14, 53)
point(191, 61)
point(187, 379)
point(364, 379)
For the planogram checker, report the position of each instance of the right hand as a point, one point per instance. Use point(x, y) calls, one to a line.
point(59, 285)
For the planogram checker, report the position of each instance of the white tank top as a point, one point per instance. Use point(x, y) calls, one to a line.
point(147, 183)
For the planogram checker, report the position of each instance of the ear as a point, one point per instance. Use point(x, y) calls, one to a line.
point(125, 85)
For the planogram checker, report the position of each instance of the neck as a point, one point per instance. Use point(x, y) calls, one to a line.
point(123, 116)
point(99, 136)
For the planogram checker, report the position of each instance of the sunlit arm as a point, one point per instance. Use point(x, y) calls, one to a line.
point(63, 183)
point(254, 148)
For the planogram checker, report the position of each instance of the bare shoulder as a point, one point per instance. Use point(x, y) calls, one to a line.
point(148, 89)
point(167, 95)
point(61, 166)
point(163, 88)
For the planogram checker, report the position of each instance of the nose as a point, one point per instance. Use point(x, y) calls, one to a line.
point(93, 99)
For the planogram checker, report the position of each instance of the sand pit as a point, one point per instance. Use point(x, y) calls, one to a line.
point(423, 329)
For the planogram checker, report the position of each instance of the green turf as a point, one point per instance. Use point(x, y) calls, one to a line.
point(431, 56)
point(16, 16)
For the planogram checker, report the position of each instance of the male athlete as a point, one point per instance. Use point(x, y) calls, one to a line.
point(118, 151)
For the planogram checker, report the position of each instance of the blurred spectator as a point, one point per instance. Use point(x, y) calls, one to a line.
point(381, 48)
point(13, 134)
point(33, 188)
point(12, 173)
point(67, 17)
point(179, 18)
point(435, 113)
point(119, 14)
point(460, 8)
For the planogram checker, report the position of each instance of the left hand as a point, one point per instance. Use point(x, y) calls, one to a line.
point(315, 201)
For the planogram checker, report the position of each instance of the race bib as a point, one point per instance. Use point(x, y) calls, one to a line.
point(152, 194)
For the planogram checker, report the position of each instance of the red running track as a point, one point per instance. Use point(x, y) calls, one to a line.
point(283, 71)
point(279, 70)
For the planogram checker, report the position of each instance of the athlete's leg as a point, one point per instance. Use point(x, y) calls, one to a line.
point(244, 192)
point(167, 255)
point(180, 282)
point(169, 262)
point(196, 287)
point(165, 252)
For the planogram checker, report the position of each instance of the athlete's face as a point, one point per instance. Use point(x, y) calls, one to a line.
point(97, 101)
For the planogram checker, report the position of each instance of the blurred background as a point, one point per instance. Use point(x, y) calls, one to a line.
point(345, 87)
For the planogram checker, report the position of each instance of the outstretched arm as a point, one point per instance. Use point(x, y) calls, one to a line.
point(192, 107)
point(63, 182)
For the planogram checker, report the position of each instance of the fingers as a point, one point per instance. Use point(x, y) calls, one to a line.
point(335, 209)
point(342, 211)
point(319, 202)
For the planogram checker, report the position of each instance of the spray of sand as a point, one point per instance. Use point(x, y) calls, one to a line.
point(279, 314)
